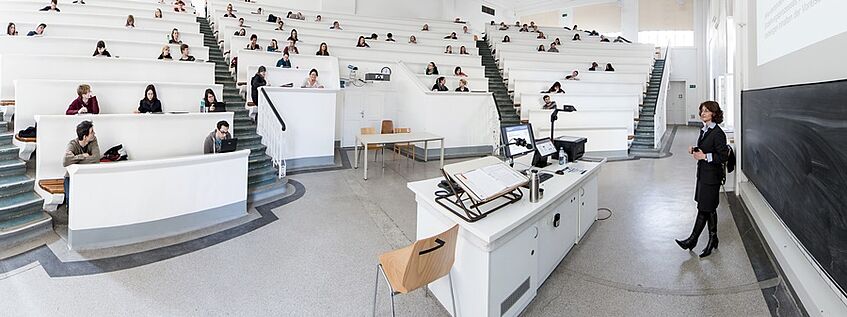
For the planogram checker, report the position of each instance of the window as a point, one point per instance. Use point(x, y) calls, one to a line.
point(487, 10)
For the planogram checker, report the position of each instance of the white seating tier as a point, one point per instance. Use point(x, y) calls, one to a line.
point(83, 47)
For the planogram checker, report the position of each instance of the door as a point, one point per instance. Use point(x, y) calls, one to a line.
point(676, 103)
point(557, 235)
point(362, 108)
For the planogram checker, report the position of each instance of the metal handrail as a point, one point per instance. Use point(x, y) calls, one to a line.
point(271, 103)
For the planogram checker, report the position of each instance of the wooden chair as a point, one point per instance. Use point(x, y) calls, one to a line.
point(417, 265)
point(387, 127)
point(375, 147)
point(398, 148)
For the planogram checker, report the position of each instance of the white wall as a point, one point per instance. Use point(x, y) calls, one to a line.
point(550, 18)
point(605, 18)
point(471, 11)
point(394, 8)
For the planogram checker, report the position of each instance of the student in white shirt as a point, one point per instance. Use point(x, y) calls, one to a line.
point(312, 80)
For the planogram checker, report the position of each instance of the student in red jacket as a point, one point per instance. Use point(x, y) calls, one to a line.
point(85, 103)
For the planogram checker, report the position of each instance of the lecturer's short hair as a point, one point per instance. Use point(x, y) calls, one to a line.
point(715, 109)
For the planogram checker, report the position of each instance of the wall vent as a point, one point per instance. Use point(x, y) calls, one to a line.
point(514, 297)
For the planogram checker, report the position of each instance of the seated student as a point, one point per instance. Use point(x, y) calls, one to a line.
point(166, 53)
point(253, 45)
point(573, 76)
point(52, 7)
point(291, 48)
point(575, 27)
point(157, 14)
point(241, 22)
point(452, 36)
point(229, 13)
point(150, 103)
point(413, 40)
point(609, 67)
point(463, 86)
point(576, 38)
point(373, 36)
point(534, 28)
point(258, 11)
point(290, 15)
point(300, 16)
point(280, 25)
point(179, 6)
point(532, 24)
point(274, 47)
point(553, 48)
point(11, 29)
point(541, 36)
point(524, 28)
point(390, 37)
point(463, 50)
point(465, 29)
point(593, 33)
point(425, 27)
point(175, 37)
point(567, 28)
point(541, 48)
point(318, 18)
point(431, 69)
point(322, 50)
point(503, 26)
point(518, 23)
point(335, 26)
point(604, 39)
point(621, 39)
point(81, 150)
point(448, 49)
point(439, 84)
point(185, 56)
point(284, 62)
point(594, 66)
point(211, 102)
point(458, 72)
point(312, 80)
point(293, 36)
point(100, 50)
point(85, 102)
point(506, 39)
point(548, 104)
point(555, 89)
point(257, 81)
point(241, 32)
point(557, 42)
point(212, 143)
point(39, 30)
point(362, 42)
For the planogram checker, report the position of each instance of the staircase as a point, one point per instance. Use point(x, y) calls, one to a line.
point(262, 180)
point(21, 213)
point(644, 131)
point(505, 106)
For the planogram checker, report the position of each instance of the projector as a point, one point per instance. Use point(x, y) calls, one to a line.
point(378, 77)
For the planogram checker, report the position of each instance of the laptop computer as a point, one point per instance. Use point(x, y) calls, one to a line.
point(228, 145)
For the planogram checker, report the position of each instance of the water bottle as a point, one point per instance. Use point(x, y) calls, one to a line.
point(534, 187)
point(202, 106)
point(563, 157)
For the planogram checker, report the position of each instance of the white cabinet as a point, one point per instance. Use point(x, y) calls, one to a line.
point(514, 274)
point(587, 206)
point(557, 234)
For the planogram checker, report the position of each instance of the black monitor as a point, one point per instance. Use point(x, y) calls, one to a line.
point(544, 148)
point(521, 136)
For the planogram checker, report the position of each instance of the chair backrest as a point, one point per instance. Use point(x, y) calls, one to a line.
point(431, 259)
point(368, 130)
point(387, 127)
point(402, 130)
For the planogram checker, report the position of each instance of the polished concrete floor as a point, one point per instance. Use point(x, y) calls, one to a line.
point(318, 258)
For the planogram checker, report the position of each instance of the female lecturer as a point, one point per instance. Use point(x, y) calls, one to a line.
point(711, 152)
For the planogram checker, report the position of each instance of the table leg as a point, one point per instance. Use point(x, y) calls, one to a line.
point(365, 148)
point(426, 151)
point(356, 155)
point(442, 153)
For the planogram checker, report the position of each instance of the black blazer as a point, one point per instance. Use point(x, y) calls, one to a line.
point(714, 142)
point(144, 106)
point(256, 82)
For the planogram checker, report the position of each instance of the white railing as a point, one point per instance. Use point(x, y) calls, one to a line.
point(660, 116)
point(271, 128)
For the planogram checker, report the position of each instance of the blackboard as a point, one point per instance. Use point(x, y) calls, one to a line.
point(794, 149)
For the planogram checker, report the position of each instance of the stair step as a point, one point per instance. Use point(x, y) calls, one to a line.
point(12, 167)
point(19, 205)
point(17, 184)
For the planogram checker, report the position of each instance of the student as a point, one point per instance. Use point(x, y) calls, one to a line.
point(100, 50)
point(293, 35)
point(130, 22)
point(506, 39)
point(211, 102)
point(300, 16)
point(335, 26)
point(253, 45)
point(431, 69)
point(241, 32)
point(541, 48)
point(322, 50)
point(463, 86)
point(318, 18)
point(524, 28)
point(258, 11)
point(439, 84)
point(458, 72)
point(274, 47)
point(463, 51)
point(150, 103)
point(594, 66)
point(241, 22)
point(85, 102)
point(465, 29)
point(555, 89)
point(518, 23)
point(38, 30)
point(185, 56)
point(157, 14)
point(604, 39)
point(541, 36)
point(362, 42)
point(448, 49)
point(284, 62)
point(81, 150)
point(413, 40)
point(390, 37)
point(257, 81)
point(609, 67)
point(51, 7)
point(175, 37)
point(312, 80)
point(573, 76)
point(290, 15)
point(593, 33)
point(212, 143)
point(503, 26)
point(452, 36)
point(553, 48)
point(576, 38)
point(229, 13)
point(11, 29)
point(279, 25)
point(621, 39)
point(166, 53)
point(532, 24)
point(557, 42)
point(548, 104)
point(575, 27)
point(374, 36)
point(425, 27)
point(291, 48)
point(179, 6)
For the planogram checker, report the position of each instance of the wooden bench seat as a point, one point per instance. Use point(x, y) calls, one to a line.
point(23, 139)
point(7, 103)
point(53, 186)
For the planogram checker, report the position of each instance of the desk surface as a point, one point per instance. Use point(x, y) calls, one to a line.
point(397, 137)
point(499, 223)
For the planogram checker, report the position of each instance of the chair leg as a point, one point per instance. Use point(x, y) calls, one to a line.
point(452, 296)
point(376, 287)
point(390, 289)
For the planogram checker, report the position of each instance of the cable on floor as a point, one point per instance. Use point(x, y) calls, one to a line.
point(605, 209)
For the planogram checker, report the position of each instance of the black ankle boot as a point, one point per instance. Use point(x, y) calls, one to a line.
point(691, 241)
point(713, 244)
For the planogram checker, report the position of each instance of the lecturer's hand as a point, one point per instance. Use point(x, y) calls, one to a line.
point(690, 150)
point(699, 155)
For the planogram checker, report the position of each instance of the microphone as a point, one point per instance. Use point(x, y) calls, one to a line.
point(522, 142)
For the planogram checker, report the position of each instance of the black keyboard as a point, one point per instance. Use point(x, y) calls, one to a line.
point(544, 177)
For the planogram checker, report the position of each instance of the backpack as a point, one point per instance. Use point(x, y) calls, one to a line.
point(114, 154)
point(729, 165)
